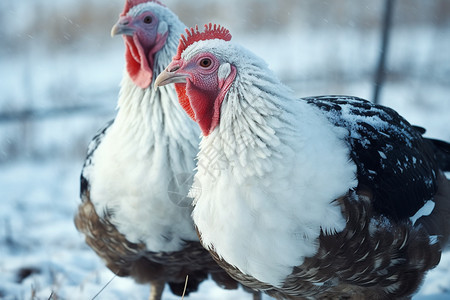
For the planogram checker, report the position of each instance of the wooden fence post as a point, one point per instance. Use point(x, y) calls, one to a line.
point(381, 68)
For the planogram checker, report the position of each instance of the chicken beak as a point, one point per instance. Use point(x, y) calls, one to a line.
point(122, 27)
point(167, 77)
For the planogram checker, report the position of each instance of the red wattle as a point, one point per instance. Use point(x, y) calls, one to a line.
point(202, 104)
point(137, 63)
point(180, 88)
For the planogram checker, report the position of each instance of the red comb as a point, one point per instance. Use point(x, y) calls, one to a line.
point(129, 4)
point(193, 35)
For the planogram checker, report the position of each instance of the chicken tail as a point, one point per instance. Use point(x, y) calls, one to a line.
point(438, 222)
point(442, 152)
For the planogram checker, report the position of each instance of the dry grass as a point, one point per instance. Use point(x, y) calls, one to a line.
point(59, 27)
point(277, 14)
point(185, 286)
point(65, 26)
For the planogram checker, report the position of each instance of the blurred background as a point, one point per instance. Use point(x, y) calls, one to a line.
point(59, 79)
point(60, 68)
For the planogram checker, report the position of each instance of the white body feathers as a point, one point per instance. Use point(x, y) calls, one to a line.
point(265, 182)
point(141, 152)
point(150, 142)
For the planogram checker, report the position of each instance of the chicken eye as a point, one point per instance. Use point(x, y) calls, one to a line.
point(148, 20)
point(205, 62)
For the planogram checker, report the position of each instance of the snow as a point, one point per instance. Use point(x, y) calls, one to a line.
point(41, 158)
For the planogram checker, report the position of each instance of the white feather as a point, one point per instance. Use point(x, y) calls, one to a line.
point(224, 70)
point(425, 210)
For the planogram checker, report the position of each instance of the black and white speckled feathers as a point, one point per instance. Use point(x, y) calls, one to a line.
point(95, 142)
point(392, 157)
point(125, 258)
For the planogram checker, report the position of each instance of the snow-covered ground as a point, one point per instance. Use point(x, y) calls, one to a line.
point(42, 254)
